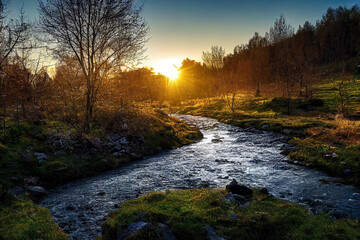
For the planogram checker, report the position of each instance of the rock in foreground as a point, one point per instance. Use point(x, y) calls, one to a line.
point(235, 188)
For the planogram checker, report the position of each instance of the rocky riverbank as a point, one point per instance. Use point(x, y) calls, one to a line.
point(46, 157)
point(46, 154)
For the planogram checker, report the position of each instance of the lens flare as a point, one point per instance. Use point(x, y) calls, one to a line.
point(167, 68)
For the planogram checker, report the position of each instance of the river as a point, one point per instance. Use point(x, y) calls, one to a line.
point(252, 157)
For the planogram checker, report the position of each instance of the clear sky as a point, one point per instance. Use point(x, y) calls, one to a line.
point(184, 28)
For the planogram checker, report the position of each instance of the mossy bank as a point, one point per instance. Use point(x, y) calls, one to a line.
point(24, 220)
point(189, 214)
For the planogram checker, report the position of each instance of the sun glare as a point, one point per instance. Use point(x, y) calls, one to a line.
point(167, 68)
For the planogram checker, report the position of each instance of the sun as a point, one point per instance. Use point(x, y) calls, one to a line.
point(167, 68)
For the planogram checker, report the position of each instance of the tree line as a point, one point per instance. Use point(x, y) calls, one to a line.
point(284, 62)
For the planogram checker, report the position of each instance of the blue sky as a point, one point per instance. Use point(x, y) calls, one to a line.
point(185, 28)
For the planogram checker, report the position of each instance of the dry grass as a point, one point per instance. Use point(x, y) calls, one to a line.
point(345, 132)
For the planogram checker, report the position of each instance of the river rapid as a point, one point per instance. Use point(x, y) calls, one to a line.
point(250, 156)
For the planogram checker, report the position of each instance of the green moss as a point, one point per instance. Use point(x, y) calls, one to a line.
point(167, 132)
point(318, 154)
point(188, 211)
point(24, 220)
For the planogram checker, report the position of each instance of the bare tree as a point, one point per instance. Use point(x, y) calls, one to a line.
point(342, 97)
point(214, 61)
point(281, 30)
point(104, 35)
point(12, 33)
point(258, 54)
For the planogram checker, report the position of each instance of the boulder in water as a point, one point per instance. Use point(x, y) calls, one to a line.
point(36, 192)
point(264, 191)
point(235, 188)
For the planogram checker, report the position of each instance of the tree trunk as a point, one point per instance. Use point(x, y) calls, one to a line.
point(257, 93)
point(4, 109)
point(87, 113)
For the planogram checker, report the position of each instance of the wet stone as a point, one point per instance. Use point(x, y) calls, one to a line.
point(211, 234)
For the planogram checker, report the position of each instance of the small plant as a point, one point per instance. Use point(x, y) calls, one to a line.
point(342, 97)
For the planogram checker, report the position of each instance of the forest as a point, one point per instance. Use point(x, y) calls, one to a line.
point(76, 101)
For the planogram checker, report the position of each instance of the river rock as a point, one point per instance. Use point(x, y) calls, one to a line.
point(222, 161)
point(36, 192)
point(133, 228)
point(286, 150)
point(236, 188)
point(250, 129)
point(118, 154)
point(101, 193)
point(31, 181)
point(10, 164)
point(135, 156)
point(70, 207)
point(230, 197)
point(264, 191)
point(215, 140)
point(286, 131)
point(60, 153)
point(25, 156)
point(211, 234)
point(165, 232)
point(17, 191)
point(241, 200)
point(41, 157)
point(93, 142)
point(14, 180)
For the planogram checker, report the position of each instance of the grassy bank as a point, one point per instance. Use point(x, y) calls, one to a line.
point(325, 139)
point(23, 220)
point(29, 158)
point(187, 212)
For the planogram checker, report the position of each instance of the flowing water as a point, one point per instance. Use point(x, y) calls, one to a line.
point(226, 152)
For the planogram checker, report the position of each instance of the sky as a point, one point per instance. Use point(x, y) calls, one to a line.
point(182, 29)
